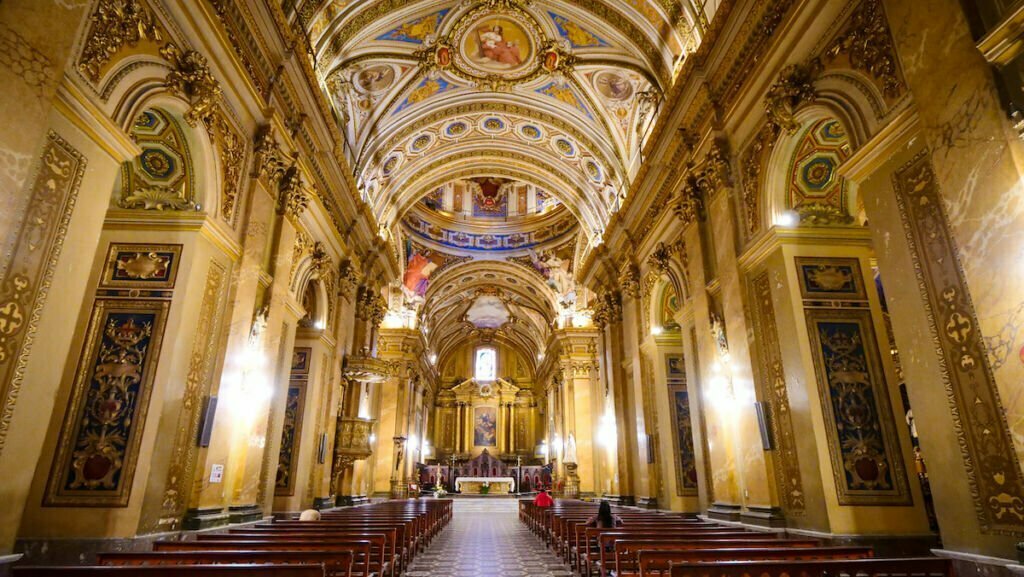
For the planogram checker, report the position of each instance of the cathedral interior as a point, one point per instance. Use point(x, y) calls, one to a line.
point(742, 263)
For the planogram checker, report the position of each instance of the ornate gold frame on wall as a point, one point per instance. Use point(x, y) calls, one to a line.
point(56, 493)
point(899, 493)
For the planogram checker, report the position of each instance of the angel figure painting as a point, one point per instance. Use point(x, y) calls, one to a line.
point(485, 426)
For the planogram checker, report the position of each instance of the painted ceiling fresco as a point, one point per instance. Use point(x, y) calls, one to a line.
point(553, 92)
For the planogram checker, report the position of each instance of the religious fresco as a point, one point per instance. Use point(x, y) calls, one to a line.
point(490, 198)
point(416, 31)
point(426, 89)
point(459, 239)
point(498, 44)
point(577, 36)
point(421, 264)
point(375, 78)
point(485, 426)
point(563, 92)
point(295, 400)
point(686, 458)
point(613, 85)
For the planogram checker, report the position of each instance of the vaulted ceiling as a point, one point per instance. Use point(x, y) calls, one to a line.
point(555, 95)
point(553, 92)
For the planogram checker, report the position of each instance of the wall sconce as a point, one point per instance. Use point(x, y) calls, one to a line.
point(656, 330)
point(433, 358)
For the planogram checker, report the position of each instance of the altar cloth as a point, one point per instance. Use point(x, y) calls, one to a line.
point(491, 480)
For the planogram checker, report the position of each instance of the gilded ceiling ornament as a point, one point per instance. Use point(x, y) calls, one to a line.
point(116, 24)
point(868, 44)
point(629, 281)
point(192, 79)
point(793, 89)
point(153, 197)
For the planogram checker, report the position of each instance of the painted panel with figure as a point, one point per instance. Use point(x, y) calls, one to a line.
point(485, 426)
point(686, 458)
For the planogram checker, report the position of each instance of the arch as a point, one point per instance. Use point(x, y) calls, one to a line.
point(802, 172)
point(175, 156)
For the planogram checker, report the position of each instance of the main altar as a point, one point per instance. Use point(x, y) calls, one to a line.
point(475, 485)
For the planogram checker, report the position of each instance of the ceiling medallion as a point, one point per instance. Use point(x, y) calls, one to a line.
point(496, 46)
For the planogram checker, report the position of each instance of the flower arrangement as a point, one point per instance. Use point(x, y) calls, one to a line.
point(440, 493)
point(485, 488)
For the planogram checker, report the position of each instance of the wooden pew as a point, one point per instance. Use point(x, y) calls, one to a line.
point(335, 563)
point(920, 567)
point(598, 542)
point(367, 562)
point(170, 571)
point(658, 563)
point(625, 551)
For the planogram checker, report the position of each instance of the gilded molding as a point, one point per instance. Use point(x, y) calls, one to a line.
point(771, 379)
point(115, 25)
point(993, 470)
point(180, 473)
point(31, 263)
point(867, 43)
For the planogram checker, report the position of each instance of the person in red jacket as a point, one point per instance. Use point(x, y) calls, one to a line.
point(543, 499)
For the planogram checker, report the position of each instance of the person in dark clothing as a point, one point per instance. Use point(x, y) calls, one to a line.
point(604, 518)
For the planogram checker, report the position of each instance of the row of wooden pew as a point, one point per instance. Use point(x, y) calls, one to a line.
point(377, 540)
point(660, 544)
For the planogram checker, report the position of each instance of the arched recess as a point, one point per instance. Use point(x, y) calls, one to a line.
point(313, 282)
point(803, 186)
point(177, 168)
point(660, 303)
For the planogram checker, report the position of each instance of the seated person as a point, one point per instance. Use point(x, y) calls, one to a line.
point(543, 499)
point(604, 518)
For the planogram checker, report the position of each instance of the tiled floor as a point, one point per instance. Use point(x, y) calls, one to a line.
point(486, 539)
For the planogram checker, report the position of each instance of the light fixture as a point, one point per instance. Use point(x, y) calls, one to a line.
point(433, 358)
point(540, 356)
point(608, 433)
point(319, 325)
point(788, 219)
point(373, 438)
point(657, 330)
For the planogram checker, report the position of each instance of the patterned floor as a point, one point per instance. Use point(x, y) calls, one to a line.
point(486, 539)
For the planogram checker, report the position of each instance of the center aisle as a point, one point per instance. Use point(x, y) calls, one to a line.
point(486, 539)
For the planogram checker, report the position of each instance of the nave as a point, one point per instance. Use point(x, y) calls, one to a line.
point(485, 538)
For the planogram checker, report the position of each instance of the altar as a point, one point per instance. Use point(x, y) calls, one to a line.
point(474, 485)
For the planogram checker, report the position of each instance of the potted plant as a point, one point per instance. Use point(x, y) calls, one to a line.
point(485, 488)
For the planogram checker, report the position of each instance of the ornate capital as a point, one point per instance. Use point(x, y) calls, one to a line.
point(793, 89)
point(269, 162)
point(629, 281)
point(607, 309)
point(292, 198)
point(191, 78)
point(717, 172)
point(689, 205)
point(348, 278)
